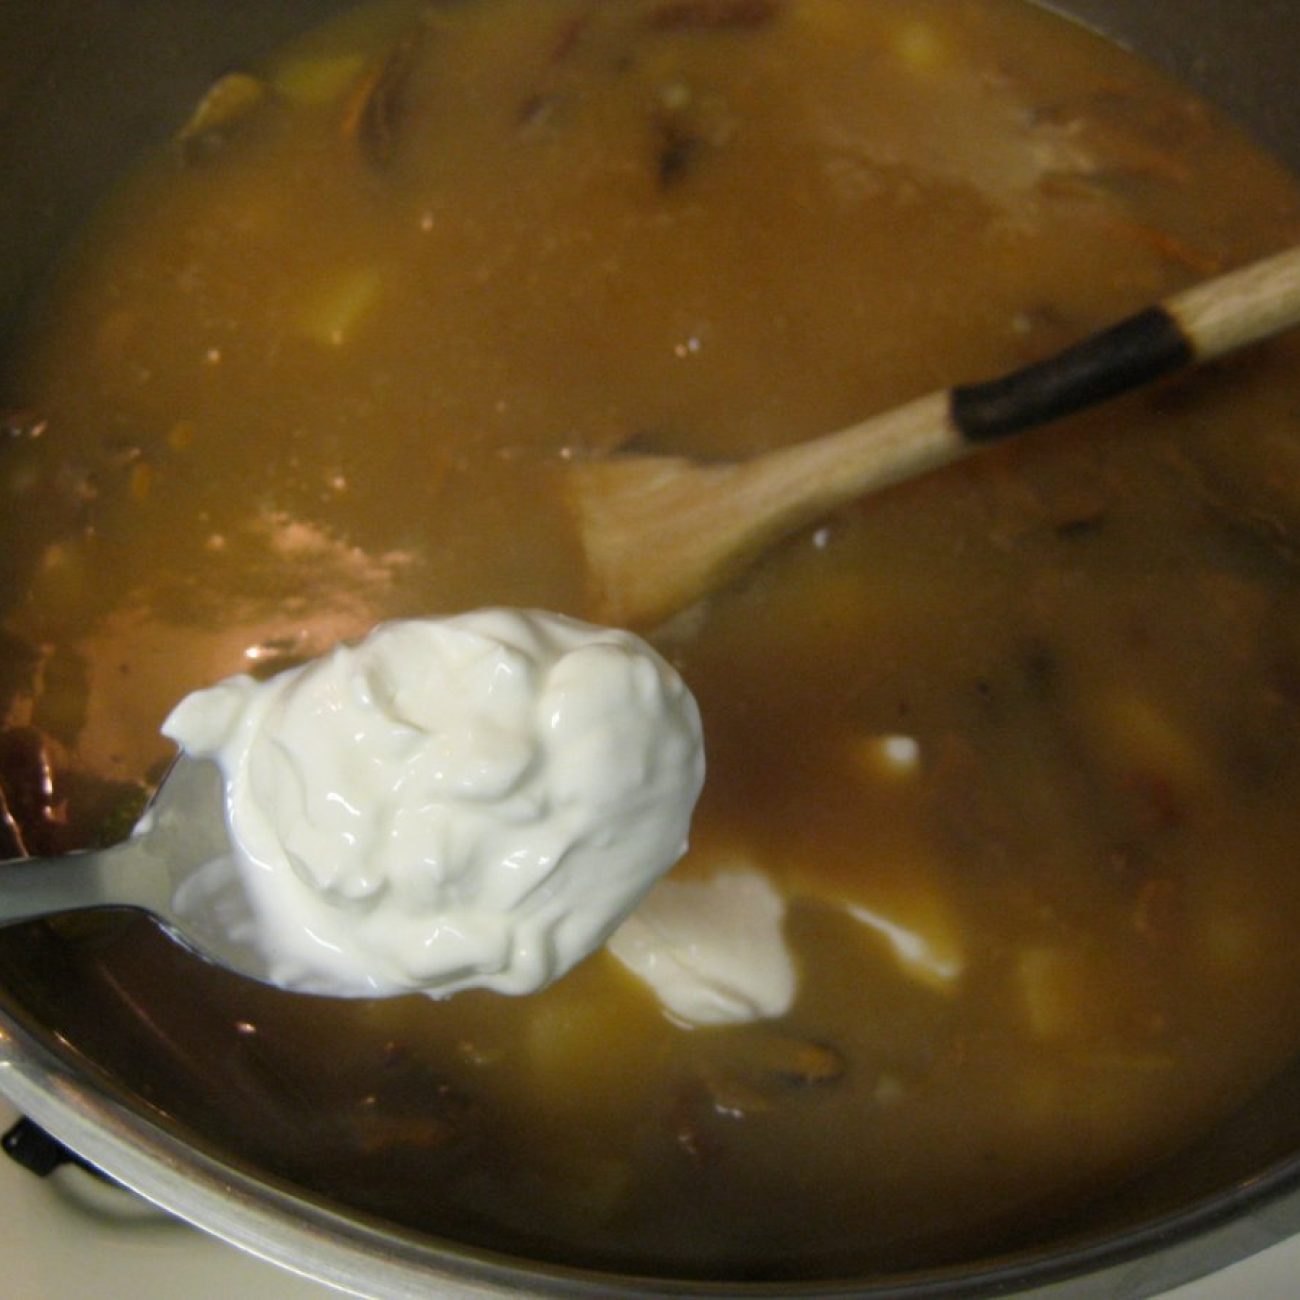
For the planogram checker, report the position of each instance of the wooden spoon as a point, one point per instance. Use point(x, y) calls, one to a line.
point(660, 531)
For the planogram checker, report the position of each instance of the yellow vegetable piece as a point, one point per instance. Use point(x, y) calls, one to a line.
point(180, 435)
point(333, 316)
point(1138, 732)
point(1074, 996)
point(921, 48)
point(319, 68)
point(228, 99)
point(318, 80)
point(141, 480)
point(1054, 992)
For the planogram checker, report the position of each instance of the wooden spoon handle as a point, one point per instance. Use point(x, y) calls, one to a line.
point(1196, 325)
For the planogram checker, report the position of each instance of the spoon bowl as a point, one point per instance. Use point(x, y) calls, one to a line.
point(174, 866)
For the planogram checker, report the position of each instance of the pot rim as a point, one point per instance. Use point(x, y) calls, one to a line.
point(357, 1254)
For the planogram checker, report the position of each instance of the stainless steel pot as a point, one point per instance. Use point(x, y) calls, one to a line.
point(84, 85)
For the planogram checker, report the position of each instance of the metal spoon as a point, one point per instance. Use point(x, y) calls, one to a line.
point(176, 866)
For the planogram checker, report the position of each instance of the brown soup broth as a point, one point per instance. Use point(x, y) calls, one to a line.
point(322, 363)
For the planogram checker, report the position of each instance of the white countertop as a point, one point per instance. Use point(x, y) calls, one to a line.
point(64, 1236)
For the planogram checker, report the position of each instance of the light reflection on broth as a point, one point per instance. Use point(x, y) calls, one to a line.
point(322, 365)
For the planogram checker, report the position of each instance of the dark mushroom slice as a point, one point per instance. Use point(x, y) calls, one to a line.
point(376, 112)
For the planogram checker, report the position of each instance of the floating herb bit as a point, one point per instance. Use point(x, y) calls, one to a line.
point(318, 80)
point(676, 149)
point(126, 811)
point(761, 1073)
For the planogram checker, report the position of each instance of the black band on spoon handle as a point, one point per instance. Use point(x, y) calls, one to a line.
point(1201, 323)
point(1127, 355)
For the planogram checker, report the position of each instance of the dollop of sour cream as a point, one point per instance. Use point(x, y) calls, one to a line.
point(469, 802)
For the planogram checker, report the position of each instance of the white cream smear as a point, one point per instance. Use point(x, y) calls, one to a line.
point(469, 802)
point(712, 950)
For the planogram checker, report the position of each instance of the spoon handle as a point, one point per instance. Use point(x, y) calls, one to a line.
point(1197, 325)
point(36, 887)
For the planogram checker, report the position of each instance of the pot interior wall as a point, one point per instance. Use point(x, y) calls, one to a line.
point(97, 82)
point(1242, 56)
point(85, 87)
